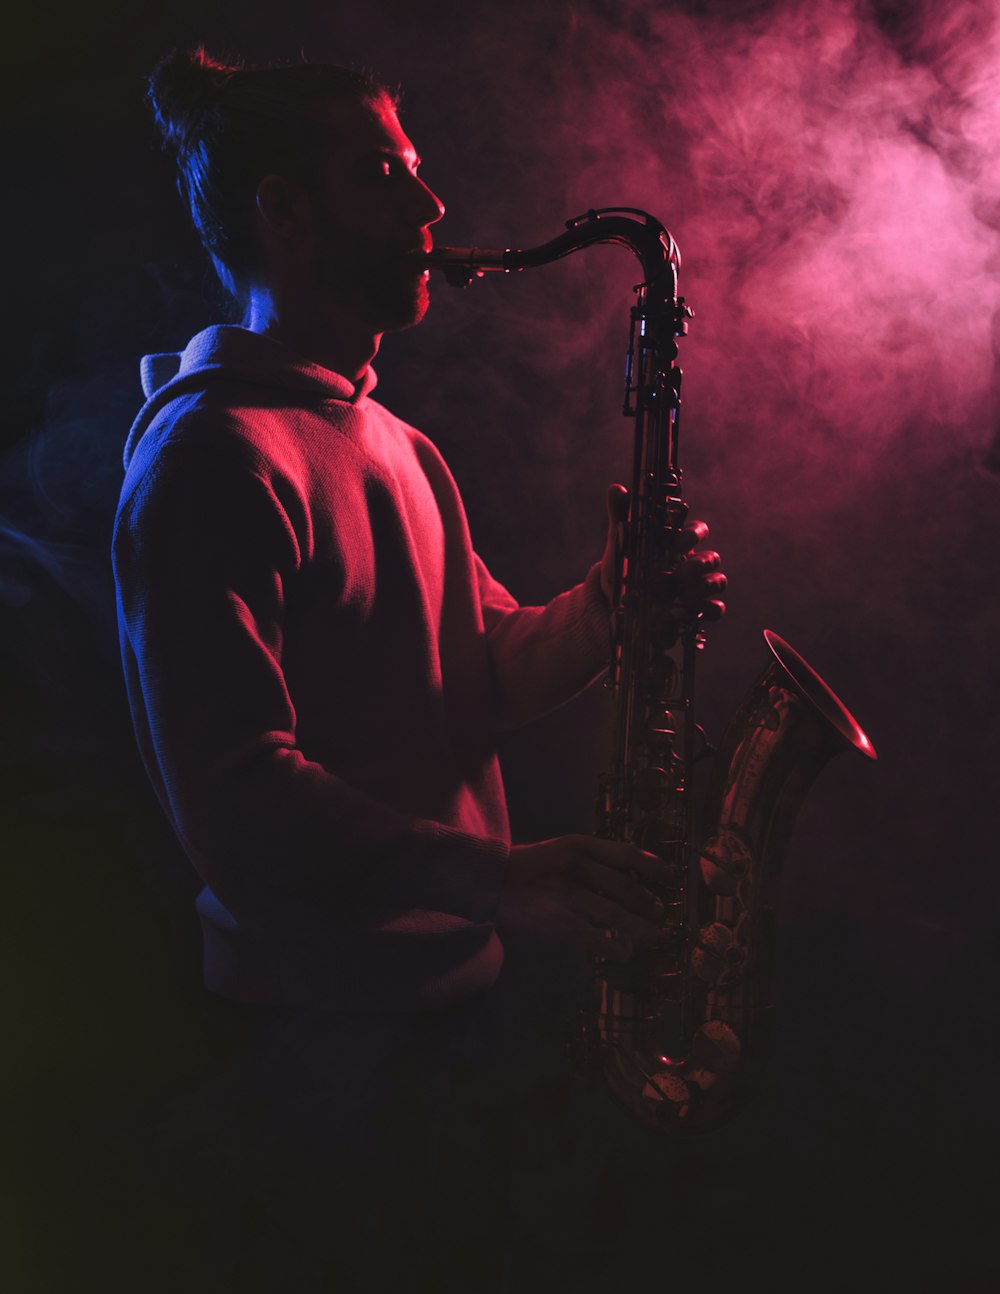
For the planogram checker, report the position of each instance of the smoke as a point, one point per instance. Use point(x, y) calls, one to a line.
point(833, 185)
point(832, 195)
point(830, 172)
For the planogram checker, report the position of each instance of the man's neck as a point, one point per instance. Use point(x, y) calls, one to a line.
point(328, 335)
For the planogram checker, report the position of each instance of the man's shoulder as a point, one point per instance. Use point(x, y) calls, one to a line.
point(193, 425)
point(272, 436)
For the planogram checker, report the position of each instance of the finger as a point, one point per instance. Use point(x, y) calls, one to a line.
point(606, 942)
point(695, 564)
point(617, 504)
point(618, 885)
point(704, 585)
point(617, 853)
point(713, 610)
point(605, 914)
point(604, 945)
point(694, 533)
point(617, 515)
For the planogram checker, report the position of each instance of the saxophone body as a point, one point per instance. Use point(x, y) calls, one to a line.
point(681, 1033)
point(679, 1030)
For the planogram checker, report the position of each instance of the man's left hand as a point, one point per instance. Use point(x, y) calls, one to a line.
point(699, 580)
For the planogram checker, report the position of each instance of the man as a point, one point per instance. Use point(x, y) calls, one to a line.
point(318, 663)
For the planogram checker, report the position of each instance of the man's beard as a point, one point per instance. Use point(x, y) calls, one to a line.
point(386, 291)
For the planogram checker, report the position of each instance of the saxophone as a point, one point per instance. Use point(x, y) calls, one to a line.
point(680, 1030)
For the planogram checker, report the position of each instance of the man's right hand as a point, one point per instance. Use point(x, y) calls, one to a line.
point(580, 887)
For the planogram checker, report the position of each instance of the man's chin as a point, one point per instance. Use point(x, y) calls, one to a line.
point(401, 310)
point(389, 300)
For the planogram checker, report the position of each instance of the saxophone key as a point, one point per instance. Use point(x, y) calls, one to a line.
point(716, 1048)
point(665, 629)
point(663, 679)
point(671, 1089)
point(717, 956)
point(665, 840)
point(652, 785)
point(726, 861)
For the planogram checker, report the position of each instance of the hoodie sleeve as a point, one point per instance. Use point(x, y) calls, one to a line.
point(542, 656)
point(204, 554)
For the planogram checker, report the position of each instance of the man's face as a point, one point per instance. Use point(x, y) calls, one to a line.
point(371, 211)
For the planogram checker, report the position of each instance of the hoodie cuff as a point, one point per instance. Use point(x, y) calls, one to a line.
point(463, 874)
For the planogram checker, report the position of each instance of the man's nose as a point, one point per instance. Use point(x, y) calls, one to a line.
point(428, 207)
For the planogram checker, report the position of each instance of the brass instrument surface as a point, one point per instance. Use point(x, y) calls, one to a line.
point(678, 1030)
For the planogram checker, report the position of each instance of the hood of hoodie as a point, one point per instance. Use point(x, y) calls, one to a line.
point(226, 353)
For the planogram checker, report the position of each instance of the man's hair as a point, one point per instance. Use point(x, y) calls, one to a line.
point(229, 125)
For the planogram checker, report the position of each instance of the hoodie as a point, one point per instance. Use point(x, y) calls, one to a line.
point(317, 664)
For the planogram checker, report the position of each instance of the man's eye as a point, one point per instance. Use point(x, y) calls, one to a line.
point(377, 170)
point(381, 168)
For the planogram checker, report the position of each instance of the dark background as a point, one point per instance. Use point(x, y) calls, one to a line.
point(832, 175)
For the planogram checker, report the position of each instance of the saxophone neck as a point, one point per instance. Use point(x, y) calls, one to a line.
point(642, 234)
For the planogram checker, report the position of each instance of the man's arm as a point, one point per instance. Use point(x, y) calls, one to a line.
point(542, 656)
point(205, 554)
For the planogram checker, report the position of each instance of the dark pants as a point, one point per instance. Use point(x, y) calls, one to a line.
point(444, 1151)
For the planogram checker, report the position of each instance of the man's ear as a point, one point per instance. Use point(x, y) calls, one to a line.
point(282, 206)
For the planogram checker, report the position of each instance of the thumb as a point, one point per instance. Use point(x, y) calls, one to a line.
point(617, 505)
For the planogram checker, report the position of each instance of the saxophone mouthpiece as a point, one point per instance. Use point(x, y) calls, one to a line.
point(461, 265)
